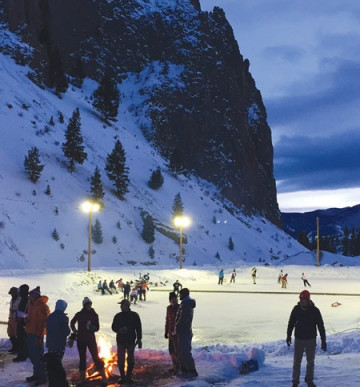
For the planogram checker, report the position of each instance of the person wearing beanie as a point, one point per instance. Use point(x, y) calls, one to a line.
point(21, 315)
point(84, 324)
point(170, 331)
point(12, 325)
point(183, 324)
point(128, 329)
point(307, 319)
point(57, 330)
point(35, 328)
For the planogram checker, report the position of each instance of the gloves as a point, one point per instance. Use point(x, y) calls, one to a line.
point(166, 336)
point(288, 341)
point(323, 346)
point(139, 343)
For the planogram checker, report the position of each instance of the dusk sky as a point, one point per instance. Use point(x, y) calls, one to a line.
point(305, 59)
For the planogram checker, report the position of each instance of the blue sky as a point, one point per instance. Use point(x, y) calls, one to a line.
point(305, 58)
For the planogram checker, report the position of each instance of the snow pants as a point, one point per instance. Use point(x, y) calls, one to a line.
point(36, 351)
point(309, 347)
point(184, 351)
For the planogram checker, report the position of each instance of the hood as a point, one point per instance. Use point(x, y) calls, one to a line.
point(190, 301)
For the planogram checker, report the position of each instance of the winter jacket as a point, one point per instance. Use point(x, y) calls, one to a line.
point(57, 330)
point(87, 324)
point(184, 315)
point(221, 274)
point(38, 312)
point(127, 326)
point(305, 321)
point(14, 304)
point(171, 311)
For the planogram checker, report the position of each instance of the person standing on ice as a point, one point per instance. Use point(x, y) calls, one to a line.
point(57, 330)
point(306, 282)
point(21, 316)
point(233, 275)
point(253, 275)
point(87, 321)
point(127, 326)
point(221, 277)
point(177, 287)
point(35, 328)
point(183, 324)
point(284, 281)
point(12, 326)
point(170, 331)
point(279, 276)
point(306, 319)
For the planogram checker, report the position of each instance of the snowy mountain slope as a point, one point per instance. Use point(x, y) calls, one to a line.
point(28, 215)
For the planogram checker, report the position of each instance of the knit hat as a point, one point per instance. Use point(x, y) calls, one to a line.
point(124, 302)
point(24, 289)
point(86, 301)
point(35, 292)
point(13, 290)
point(61, 305)
point(184, 292)
point(305, 295)
point(172, 295)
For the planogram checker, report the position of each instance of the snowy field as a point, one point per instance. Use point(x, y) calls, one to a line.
point(230, 325)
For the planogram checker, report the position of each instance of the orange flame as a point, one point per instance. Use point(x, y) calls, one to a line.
point(109, 359)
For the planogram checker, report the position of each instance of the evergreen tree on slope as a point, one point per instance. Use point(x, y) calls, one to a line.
point(32, 164)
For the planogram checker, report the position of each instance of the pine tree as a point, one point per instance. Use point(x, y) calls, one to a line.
point(231, 244)
point(56, 76)
point(97, 234)
point(148, 233)
point(48, 190)
point(117, 171)
point(32, 164)
point(78, 73)
point(217, 256)
point(151, 252)
point(156, 179)
point(96, 187)
point(214, 219)
point(73, 147)
point(55, 235)
point(107, 98)
point(177, 207)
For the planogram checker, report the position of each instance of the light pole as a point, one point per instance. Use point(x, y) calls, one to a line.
point(90, 207)
point(181, 222)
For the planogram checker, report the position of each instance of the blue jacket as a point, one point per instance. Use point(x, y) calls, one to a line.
point(57, 330)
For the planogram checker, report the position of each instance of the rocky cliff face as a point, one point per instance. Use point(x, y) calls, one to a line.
point(212, 114)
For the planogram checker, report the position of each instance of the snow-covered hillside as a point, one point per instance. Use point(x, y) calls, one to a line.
point(28, 216)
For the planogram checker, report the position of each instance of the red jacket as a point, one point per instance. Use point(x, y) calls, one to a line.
point(38, 312)
point(171, 311)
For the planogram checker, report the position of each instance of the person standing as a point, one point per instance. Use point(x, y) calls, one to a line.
point(284, 281)
point(177, 286)
point(127, 326)
point(87, 321)
point(221, 277)
point(57, 331)
point(183, 324)
point(35, 328)
point(233, 275)
point(127, 289)
point(307, 319)
point(12, 325)
point(306, 282)
point(253, 275)
point(21, 316)
point(170, 331)
point(279, 276)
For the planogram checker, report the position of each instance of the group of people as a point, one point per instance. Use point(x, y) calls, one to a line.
point(221, 276)
point(103, 287)
point(282, 279)
point(30, 320)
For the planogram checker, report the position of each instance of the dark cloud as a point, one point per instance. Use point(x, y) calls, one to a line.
point(303, 163)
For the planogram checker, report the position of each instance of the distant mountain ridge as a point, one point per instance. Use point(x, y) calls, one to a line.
point(211, 112)
point(332, 221)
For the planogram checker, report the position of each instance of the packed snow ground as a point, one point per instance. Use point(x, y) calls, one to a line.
point(229, 326)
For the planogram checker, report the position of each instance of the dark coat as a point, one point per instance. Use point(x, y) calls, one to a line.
point(184, 315)
point(305, 321)
point(57, 330)
point(88, 324)
point(127, 326)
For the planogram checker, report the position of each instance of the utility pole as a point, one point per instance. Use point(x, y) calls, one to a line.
point(317, 242)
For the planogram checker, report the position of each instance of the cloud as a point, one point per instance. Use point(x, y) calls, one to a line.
point(303, 163)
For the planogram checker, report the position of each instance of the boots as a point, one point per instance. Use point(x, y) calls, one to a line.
point(14, 346)
point(122, 379)
point(129, 374)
